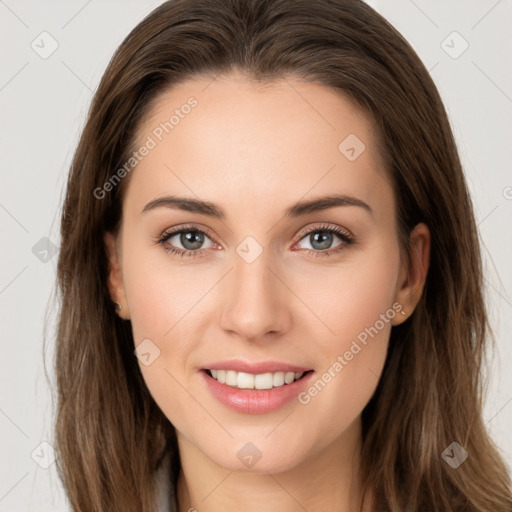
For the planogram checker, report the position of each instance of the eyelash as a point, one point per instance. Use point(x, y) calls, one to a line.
point(347, 239)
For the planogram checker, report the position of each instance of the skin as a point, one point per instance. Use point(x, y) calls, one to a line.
point(254, 150)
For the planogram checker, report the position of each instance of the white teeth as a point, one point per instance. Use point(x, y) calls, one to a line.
point(289, 377)
point(244, 380)
point(231, 378)
point(263, 381)
point(278, 379)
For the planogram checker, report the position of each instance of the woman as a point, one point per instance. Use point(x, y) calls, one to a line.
point(266, 245)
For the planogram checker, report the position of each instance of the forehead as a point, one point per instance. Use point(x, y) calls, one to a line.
point(230, 140)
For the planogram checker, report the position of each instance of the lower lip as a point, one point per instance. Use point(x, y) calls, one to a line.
point(255, 401)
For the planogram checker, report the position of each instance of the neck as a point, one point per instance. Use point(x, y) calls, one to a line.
point(327, 480)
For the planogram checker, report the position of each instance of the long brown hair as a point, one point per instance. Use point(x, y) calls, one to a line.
point(110, 434)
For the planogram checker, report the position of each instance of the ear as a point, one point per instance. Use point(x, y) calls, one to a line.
point(115, 277)
point(413, 276)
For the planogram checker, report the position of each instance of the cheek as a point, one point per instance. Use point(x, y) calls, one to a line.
point(356, 306)
point(352, 296)
point(161, 299)
point(162, 296)
point(166, 302)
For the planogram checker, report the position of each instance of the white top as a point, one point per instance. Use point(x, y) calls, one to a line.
point(164, 485)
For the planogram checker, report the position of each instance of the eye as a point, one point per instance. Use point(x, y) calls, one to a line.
point(186, 241)
point(322, 238)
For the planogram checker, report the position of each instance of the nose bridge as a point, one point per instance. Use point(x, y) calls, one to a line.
point(254, 305)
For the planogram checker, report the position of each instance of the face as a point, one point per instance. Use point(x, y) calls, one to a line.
point(243, 280)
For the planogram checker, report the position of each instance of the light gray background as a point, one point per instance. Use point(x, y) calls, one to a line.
point(43, 104)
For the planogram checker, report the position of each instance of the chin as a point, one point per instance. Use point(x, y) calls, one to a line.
point(259, 456)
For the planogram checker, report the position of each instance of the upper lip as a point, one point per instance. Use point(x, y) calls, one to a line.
point(255, 367)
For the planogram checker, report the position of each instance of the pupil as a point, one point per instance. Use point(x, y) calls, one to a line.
point(191, 240)
point(323, 238)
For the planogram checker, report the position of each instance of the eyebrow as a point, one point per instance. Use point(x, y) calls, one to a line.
point(298, 209)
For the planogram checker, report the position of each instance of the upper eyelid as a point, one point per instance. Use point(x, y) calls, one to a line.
point(171, 232)
point(307, 231)
point(301, 234)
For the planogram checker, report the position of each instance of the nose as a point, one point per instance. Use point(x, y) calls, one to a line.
point(257, 304)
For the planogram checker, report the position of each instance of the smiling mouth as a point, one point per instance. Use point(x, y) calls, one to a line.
point(261, 381)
